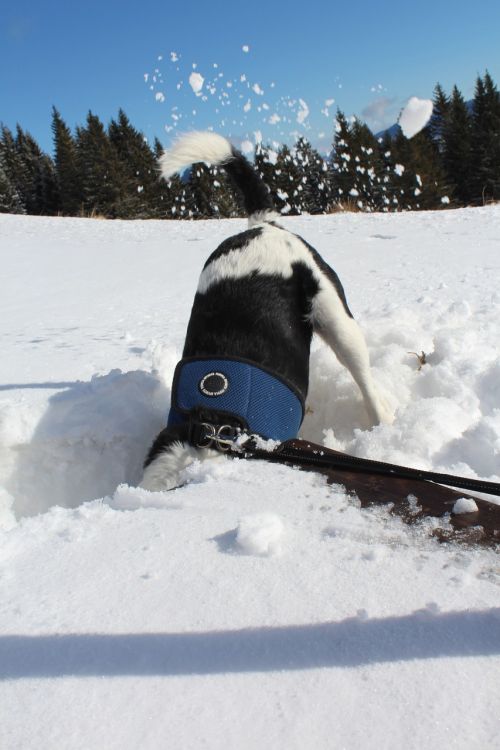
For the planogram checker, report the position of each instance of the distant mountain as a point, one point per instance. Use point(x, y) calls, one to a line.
point(393, 131)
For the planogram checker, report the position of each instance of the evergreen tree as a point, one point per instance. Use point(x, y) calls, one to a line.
point(12, 165)
point(288, 184)
point(486, 141)
point(208, 194)
point(389, 193)
point(10, 201)
point(101, 173)
point(457, 148)
point(315, 184)
point(440, 107)
point(421, 182)
point(69, 179)
point(38, 178)
point(358, 167)
point(342, 169)
point(265, 165)
point(139, 170)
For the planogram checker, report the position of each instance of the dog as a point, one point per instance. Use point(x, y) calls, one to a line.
point(261, 295)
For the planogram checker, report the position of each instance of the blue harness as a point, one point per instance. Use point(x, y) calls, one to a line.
point(258, 400)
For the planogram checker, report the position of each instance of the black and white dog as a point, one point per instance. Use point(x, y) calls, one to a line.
point(261, 295)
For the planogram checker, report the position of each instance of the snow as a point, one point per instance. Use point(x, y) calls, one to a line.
point(196, 81)
point(256, 607)
point(415, 116)
point(465, 505)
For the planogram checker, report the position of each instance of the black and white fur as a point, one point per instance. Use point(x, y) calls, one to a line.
point(261, 295)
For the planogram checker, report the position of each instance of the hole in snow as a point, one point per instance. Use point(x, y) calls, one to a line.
point(92, 437)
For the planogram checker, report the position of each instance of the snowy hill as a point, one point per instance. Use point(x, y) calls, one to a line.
point(256, 607)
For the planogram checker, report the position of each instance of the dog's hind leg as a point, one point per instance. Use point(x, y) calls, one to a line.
point(341, 332)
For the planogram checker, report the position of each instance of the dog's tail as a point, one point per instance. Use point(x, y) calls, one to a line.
point(211, 148)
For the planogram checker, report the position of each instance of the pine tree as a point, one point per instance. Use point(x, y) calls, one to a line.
point(389, 193)
point(421, 182)
point(288, 185)
point(12, 165)
point(208, 194)
point(139, 170)
point(315, 184)
point(358, 167)
point(440, 107)
point(68, 176)
point(10, 201)
point(101, 172)
point(457, 148)
point(38, 178)
point(343, 177)
point(486, 141)
point(265, 165)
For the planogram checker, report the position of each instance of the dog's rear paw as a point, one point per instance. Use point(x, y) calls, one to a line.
point(381, 413)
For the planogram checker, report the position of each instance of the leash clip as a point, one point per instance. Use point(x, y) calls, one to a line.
point(220, 437)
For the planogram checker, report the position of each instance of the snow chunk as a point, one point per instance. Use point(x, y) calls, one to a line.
point(160, 97)
point(465, 505)
point(415, 116)
point(196, 82)
point(303, 112)
point(245, 48)
point(247, 147)
point(260, 534)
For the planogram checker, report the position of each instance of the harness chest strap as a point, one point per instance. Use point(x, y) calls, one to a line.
point(217, 397)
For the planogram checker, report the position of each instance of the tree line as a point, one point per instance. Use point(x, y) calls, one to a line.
point(113, 172)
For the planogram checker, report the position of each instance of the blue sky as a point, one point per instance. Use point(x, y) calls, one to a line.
point(368, 57)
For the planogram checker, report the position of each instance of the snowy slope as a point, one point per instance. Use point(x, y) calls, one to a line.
point(256, 607)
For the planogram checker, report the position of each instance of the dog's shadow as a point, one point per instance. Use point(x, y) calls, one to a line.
point(92, 437)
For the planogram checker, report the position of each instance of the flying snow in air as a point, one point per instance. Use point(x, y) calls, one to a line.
point(303, 112)
point(245, 48)
point(196, 82)
point(415, 116)
point(247, 147)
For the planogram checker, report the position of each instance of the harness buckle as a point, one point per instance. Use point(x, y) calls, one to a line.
point(220, 437)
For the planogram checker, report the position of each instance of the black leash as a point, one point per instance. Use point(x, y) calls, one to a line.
point(310, 454)
point(232, 439)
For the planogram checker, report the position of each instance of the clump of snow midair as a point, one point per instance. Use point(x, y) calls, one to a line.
point(196, 82)
point(415, 116)
point(245, 48)
point(303, 112)
point(247, 147)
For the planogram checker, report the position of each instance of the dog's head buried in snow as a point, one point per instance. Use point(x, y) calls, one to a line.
point(261, 295)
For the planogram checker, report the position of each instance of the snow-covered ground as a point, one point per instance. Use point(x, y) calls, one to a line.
point(256, 607)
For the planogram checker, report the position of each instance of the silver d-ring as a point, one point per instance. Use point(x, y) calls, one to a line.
point(209, 436)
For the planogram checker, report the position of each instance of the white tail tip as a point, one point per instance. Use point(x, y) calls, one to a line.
point(190, 148)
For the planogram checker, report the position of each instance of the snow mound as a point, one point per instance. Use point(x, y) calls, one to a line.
point(260, 534)
point(465, 505)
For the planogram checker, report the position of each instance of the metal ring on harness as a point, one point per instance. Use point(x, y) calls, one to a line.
point(220, 437)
